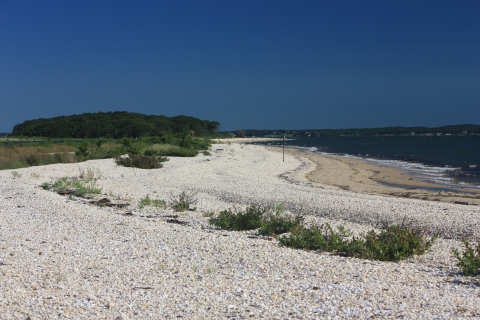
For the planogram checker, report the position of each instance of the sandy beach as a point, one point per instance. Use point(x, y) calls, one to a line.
point(363, 177)
point(66, 258)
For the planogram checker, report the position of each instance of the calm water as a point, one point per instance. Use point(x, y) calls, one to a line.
point(450, 160)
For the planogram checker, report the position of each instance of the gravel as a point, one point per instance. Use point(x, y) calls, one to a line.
point(67, 258)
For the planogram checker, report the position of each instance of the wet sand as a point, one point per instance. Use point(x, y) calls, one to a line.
point(364, 177)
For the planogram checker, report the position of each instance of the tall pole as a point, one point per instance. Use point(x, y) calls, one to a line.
point(284, 147)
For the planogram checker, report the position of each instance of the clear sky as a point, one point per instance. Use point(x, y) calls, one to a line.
point(247, 64)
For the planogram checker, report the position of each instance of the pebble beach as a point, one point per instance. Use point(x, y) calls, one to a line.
point(65, 258)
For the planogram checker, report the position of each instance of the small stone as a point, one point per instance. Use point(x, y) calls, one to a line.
point(110, 305)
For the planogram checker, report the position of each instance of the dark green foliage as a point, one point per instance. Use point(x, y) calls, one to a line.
point(133, 146)
point(113, 125)
point(172, 151)
point(185, 138)
point(139, 161)
point(278, 222)
point(82, 149)
point(322, 238)
point(201, 144)
point(266, 220)
point(249, 219)
point(469, 260)
point(396, 242)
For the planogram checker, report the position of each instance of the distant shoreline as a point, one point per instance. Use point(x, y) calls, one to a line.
point(364, 177)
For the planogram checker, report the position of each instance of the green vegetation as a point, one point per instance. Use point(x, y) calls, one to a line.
point(184, 200)
point(155, 149)
point(469, 260)
point(396, 242)
point(45, 152)
point(113, 125)
point(236, 220)
point(266, 220)
point(151, 202)
point(73, 186)
point(276, 221)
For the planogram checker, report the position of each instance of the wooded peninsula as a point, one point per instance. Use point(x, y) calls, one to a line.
point(113, 125)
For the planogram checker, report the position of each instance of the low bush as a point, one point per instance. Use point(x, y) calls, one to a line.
point(139, 161)
point(396, 242)
point(322, 238)
point(183, 201)
point(267, 220)
point(469, 260)
point(236, 220)
point(278, 222)
point(393, 243)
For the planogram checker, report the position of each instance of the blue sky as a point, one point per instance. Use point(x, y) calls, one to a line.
point(247, 64)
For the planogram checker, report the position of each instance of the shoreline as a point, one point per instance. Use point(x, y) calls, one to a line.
point(361, 176)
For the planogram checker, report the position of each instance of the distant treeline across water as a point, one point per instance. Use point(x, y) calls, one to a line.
point(451, 160)
point(462, 129)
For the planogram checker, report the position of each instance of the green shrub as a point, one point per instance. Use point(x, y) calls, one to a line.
point(151, 202)
point(322, 238)
point(278, 222)
point(82, 149)
point(139, 161)
point(396, 242)
point(249, 219)
point(469, 260)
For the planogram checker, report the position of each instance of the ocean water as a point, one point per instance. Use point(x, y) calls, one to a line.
point(453, 161)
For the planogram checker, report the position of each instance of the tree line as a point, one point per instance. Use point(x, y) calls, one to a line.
point(115, 125)
point(452, 129)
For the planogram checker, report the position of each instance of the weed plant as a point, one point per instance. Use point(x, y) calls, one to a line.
point(469, 259)
point(151, 202)
point(183, 200)
point(139, 161)
point(73, 186)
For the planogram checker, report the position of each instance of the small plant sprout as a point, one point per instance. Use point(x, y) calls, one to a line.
point(151, 202)
point(469, 259)
point(183, 201)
